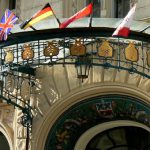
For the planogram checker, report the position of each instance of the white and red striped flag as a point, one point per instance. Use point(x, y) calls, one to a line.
point(123, 29)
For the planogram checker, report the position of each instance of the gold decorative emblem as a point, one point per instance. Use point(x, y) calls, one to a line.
point(78, 49)
point(27, 53)
point(131, 52)
point(148, 58)
point(105, 50)
point(9, 57)
point(51, 50)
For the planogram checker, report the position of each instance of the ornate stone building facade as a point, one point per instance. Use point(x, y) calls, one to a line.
point(65, 106)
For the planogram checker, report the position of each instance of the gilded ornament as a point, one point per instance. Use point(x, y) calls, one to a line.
point(105, 50)
point(51, 50)
point(27, 53)
point(131, 52)
point(9, 57)
point(78, 49)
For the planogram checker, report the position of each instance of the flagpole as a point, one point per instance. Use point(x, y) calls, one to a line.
point(55, 16)
point(91, 16)
point(32, 28)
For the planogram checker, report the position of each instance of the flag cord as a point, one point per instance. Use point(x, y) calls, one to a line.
point(56, 16)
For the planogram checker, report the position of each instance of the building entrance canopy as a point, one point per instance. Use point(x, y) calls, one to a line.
point(96, 22)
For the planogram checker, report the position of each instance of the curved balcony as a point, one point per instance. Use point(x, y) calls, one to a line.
point(82, 47)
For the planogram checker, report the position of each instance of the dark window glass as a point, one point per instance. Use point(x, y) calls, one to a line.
point(12, 4)
point(122, 8)
point(121, 138)
point(3, 142)
point(96, 8)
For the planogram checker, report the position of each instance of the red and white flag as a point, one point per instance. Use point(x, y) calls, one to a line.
point(123, 29)
point(82, 13)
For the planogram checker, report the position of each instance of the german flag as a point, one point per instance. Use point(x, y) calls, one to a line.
point(42, 14)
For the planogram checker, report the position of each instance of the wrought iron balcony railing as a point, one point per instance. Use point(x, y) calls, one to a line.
point(23, 52)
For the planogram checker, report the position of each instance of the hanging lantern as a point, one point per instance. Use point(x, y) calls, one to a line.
point(9, 57)
point(83, 64)
point(105, 50)
point(27, 53)
point(51, 50)
point(78, 49)
point(148, 58)
point(131, 53)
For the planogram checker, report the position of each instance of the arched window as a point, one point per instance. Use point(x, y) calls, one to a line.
point(121, 138)
point(3, 142)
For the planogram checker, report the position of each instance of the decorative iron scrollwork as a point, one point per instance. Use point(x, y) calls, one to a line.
point(78, 49)
point(105, 50)
point(9, 57)
point(51, 50)
point(26, 120)
point(28, 52)
point(131, 52)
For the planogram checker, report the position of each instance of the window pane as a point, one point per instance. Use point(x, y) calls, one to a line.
point(12, 4)
point(122, 8)
point(96, 8)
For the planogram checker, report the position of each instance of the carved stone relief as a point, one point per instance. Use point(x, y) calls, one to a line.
point(21, 133)
point(21, 144)
point(6, 114)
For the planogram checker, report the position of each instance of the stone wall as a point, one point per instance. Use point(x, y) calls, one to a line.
point(58, 87)
point(142, 12)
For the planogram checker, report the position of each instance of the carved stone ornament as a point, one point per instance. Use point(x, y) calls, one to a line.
point(27, 53)
point(105, 50)
point(9, 57)
point(78, 49)
point(51, 50)
point(25, 90)
point(9, 85)
point(131, 52)
point(148, 58)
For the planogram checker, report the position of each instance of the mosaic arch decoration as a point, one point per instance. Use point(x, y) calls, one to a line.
point(90, 112)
